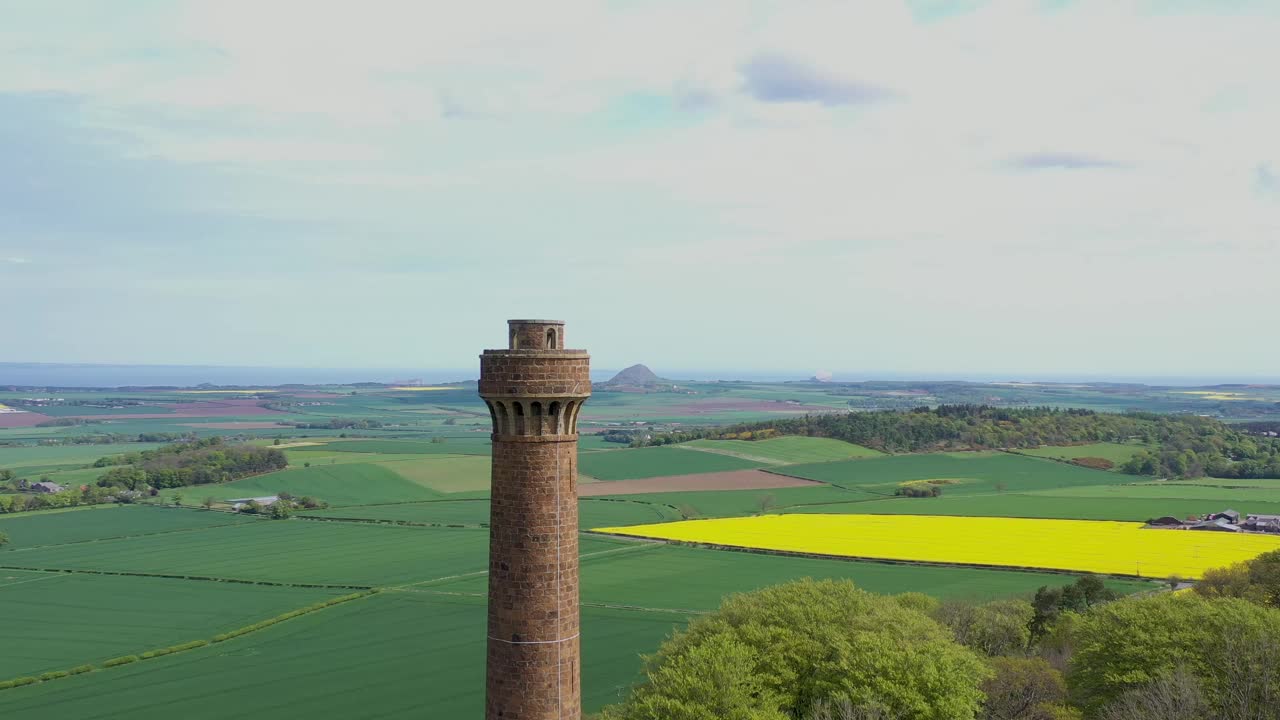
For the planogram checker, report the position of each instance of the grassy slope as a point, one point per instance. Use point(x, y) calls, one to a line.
point(1115, 452)
point(74, 619)
point(657, 462)
point(787, 450)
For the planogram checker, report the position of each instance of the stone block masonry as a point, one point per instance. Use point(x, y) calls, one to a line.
point(534, 390)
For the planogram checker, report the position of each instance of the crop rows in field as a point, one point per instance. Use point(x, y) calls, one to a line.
point(353, 660)
point(70, 619)
point(1068, 545)
point(786, 450)
point(80, 524)
point(298, 551)
point(970, 473)
point(657, 462)
point(591, 512)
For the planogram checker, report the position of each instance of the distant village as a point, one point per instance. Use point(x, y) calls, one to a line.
point(1225, 521)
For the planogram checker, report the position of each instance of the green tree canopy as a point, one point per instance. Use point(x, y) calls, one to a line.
point(777, 652)
point(1232, 645)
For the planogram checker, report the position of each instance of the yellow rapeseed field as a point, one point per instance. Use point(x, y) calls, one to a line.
point(1116, 548)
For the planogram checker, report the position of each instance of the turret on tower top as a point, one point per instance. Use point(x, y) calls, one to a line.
point(536, 334)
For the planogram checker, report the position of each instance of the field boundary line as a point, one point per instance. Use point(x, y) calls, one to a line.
point(187, 646)
point(584, 603)
point(201, 578)
point(647, 545)
point(29, 580)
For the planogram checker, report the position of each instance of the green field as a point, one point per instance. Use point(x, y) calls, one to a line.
point(732, 503)
point(1115, 452)
point(657, 462)
point(686, 578)
point(592, 512)
point(344, 484)
point(76, 525)
point(1175, 490)
point(72, 619)
point(786, 450)
point(975, 473)
point(289, 551)
point(1033, 506)
point(444, 473)
point(386, 656)
point(476, 445)
point(33, 460)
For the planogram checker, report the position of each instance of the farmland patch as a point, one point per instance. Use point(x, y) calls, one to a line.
point(71, 619)
point(98, 522)
point(412, 648)
point(989, 472)
point(657, 462)
point(734, 480)
point(1071, 545)
point(785, 450)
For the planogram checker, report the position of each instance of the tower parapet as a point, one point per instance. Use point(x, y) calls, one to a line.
point(534, 390)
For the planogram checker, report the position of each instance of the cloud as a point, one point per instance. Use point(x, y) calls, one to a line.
point(16, 260)
point(1061, 161)
point(1265, 180)
point(776, 78)
point(408, 152)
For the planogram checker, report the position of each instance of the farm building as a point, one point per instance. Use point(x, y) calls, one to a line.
point(1217, 525)
point(46, 487)
point(1229, 515)
point(1166, 521)
point(267, 501)
point(1263, 523)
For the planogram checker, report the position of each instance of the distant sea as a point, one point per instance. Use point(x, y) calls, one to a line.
point(110, 376)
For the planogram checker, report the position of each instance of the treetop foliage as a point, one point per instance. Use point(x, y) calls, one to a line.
point(781, 651)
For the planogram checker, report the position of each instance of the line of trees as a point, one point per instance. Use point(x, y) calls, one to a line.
point(198, 462)
point(1187, 446)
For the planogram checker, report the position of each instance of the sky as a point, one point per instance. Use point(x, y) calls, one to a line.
point(1023, 187)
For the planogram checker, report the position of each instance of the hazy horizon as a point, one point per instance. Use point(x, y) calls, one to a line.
point(109, 375)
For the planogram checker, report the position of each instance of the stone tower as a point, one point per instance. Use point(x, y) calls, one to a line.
point(534, 390)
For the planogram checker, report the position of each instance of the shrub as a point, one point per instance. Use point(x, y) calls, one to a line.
point(1095, 463)
point(54, 675)
point(81, 669)
point(19, 682)
point(123, 660)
